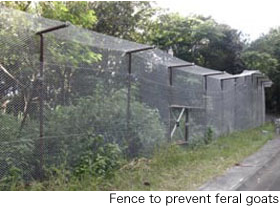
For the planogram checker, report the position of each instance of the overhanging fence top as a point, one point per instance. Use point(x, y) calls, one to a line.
point(263, 79)
point(181, 65)
point(176, 66)
point(139, 50)
point(212, 74)
point(227, 76)
point(52, 29)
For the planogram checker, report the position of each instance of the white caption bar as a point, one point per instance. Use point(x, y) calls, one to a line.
point(140, 198)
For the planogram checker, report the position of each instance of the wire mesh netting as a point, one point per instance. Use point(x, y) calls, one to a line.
point(65, 92)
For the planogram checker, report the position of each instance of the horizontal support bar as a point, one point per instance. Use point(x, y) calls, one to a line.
point(267, 84)
point(213, 74)
point(182, 65)
point(262, 79)
point(139, 50)
point(229, 78)
point(265, 80)
point(257, 74)
point(170, 69)
point(52, 29)
point(183, 106)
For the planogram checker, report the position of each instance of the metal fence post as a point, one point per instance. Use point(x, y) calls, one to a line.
point(128, 93)
point(41, 95)
point(41, 107)
point(128, 110)
point(170, 73)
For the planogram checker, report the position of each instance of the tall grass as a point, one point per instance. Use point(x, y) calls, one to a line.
point(171, 167)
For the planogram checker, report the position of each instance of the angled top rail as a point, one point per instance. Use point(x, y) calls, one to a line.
point(139, 50)
point(52, 28)
point(170, 68)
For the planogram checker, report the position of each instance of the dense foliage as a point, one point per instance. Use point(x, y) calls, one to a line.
point(264, 54)
point(87, 137)
point(200, 40)
point(106, 116)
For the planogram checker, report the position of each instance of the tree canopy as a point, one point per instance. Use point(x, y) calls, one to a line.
point(200, 40)
point(264, 54)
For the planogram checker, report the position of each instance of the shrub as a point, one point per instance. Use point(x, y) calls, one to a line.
point(100, 161)
point(106, 116)
point(16, 148)
point(87, 137)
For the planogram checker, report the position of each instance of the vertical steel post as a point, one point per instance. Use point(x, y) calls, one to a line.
point(170, 75)
point(186, 124)
point(205, 99)
point(235, 103)
point(170, 70)
point(41, 95)
point(128, 93)
point(128, 112)
point(41, 109)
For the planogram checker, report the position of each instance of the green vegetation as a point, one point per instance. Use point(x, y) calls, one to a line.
point(106, 116)
point(264, 54)
point(90, 143)
point(170, 168)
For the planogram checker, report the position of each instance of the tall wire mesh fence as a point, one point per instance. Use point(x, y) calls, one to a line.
point(66, 91)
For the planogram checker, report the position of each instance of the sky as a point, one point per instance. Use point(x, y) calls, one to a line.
point(252, 17)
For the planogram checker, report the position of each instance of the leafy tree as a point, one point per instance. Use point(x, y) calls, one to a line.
point(78, 13)
point(219, 47)
point(264, 54)
point(127, 20)
point(18, 60)
point(59, 75)
point(261, 61)
point(19, 66)
point(20, 5)
point(171, 31)
point(199, 39)
point(269, 43)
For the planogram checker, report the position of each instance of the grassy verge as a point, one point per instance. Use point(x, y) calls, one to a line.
point(171, 168)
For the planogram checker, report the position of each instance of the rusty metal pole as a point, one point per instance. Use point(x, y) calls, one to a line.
point(128, 93)
point(205, 99)
point(41, 109)
point(128, 110)
point(186, 125)
point(41, 94)
point(129, 53)
point(170, 70)
point(170, 73)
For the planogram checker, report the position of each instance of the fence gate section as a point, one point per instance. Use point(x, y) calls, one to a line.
point(179, 124)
